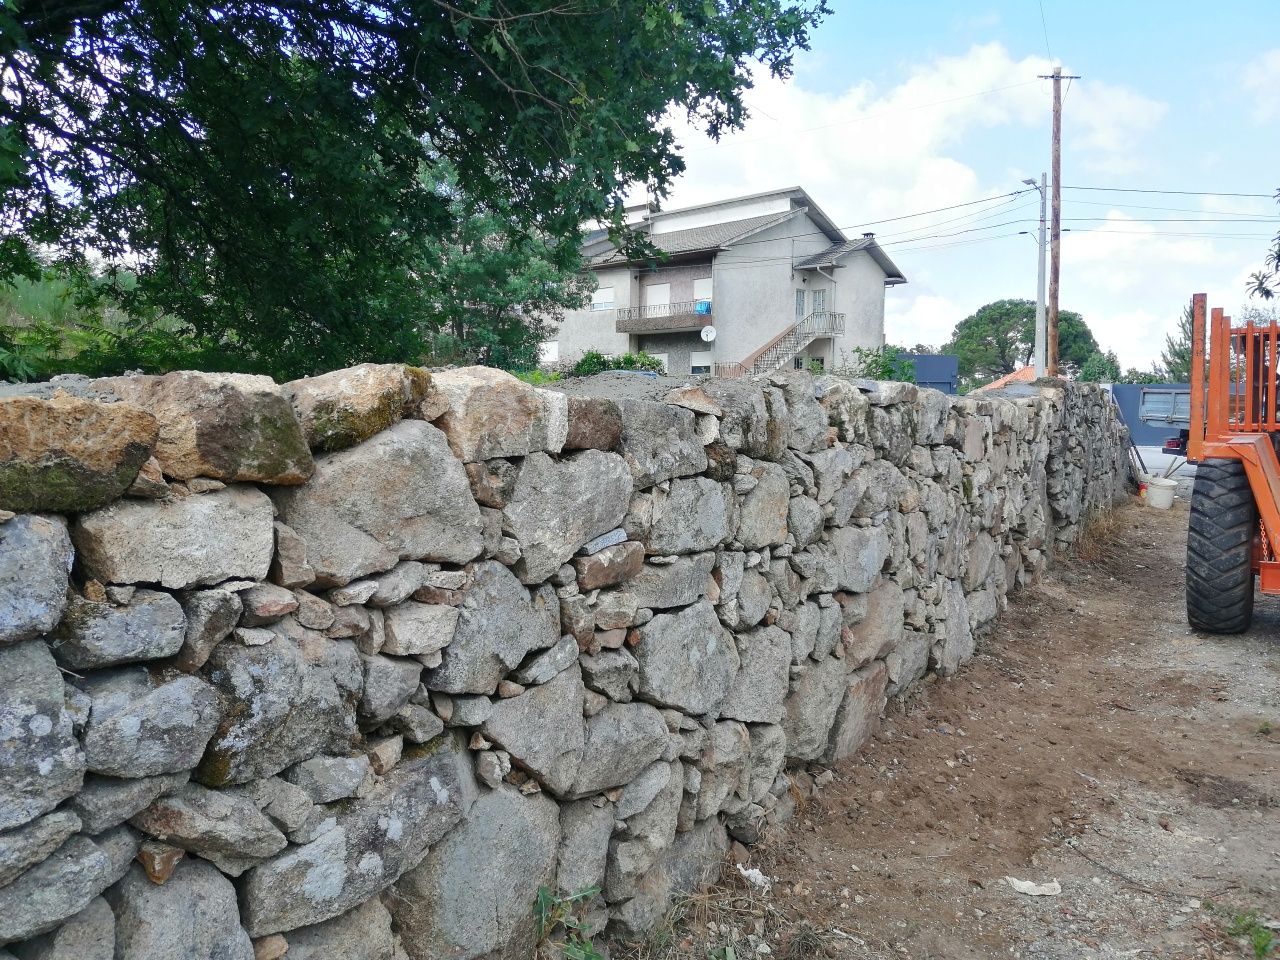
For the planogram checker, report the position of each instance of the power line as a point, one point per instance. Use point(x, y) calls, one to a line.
point(1044, 26)
point(1138, 206)
point(1188, 193)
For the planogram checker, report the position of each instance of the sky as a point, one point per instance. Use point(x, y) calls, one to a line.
point(899, 109)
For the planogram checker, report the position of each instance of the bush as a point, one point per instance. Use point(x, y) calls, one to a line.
point(593, 362)
point(882, 363)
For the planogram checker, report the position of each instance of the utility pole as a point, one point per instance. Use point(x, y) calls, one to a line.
point(1055, 227)
point(1038, 357)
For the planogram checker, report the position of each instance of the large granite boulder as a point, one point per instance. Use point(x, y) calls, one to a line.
point(140, 726)
point(542, 729)
point(457, 905)
point(89, 935)
point(400, 495)
point(339, 409)
point(760, 685)
point(25, 846)
point(621, 740)
point(218, 825)
point(692, 515)
point(58, 888)
point(292, 698)
point(498, 625)
point(191, 916)
point(817, 690)
point(859, 714)
point(556, 507)
point(67, 454)
point(229, 426)
point(881, 627)
point(188, 542)
point(149, 627)
point(370, 845)
point(659, 441)
point(687, 660)
point(35, 566)
point(674, 584)
point(363, 933)
point(762, 518)
point(41, 763)
point(489, 413)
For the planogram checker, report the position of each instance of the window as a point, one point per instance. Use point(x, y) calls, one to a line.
point(602, 299)
point(800, 314)
point(819, 301)
point(702, 289)
point(700, 362)
point(657, 295)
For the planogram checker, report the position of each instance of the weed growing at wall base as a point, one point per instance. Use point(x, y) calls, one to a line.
point(559, 922)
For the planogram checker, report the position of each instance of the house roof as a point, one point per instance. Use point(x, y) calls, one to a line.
point(713, 236)
point(829, 256)
point(1021, 375)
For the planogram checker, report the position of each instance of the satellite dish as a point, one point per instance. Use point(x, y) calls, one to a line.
point(708, 334)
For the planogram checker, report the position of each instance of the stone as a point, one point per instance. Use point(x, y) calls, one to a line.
point(957, 642)
point(385, 753)
point(687, 660)
point(31, 843)
point(880, 629)
point(68, 454)
point(760, 685)
point(610, 566)
point(142, 727)
point(556, 507)
point(860, 555)
point(471, 711)
point(270, 948)
point(492, 481)
point(763, 513)
point(88, 935)
point(398, 584)
point(614, 673)
point(811, 706)
point(640, 792)
point(413, 628)
point(211, 616)
point(635, 849)
point(316, 614)
point(804, 520)
point(159, 860)
point(362, 933)
point(41, 764)
point(859, 714)
point(326, 779)
point(615, 609)
point(621, 740)
point(549, 663)
point(343, 407)
point(692, 515)
point(106, 802)
point(149, 483)
point(285, 804)
point(252, 636)
point(150, 627)
point(416, 723)
point(228, 426)
point(389, 682)
point(354, 593)
point(400, 495)
point(214, 824)
point(289, 567)
point(35, 566)
point(585, 828)
point(491, 414)
point(492, 767)
point(542, 729)
point(293, 697)
point(455, 905)
point(265, 604)
point(725, 767)
point(178, 544)
point(595, 423)
point(193, 916)
point(369, 847)
point(351, 621)
point(754, 598)
point(613, 537)
point(694, 398)
point(498, 626)
point(676, 584)
point(54, 890)
point(907, 662)
point(659, 441)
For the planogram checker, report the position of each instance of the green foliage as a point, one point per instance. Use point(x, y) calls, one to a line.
point(593, 362)
point(559, 925)
point(293, 180)
point(1176, 356)
point(1100, 368)
point(1248, 926)
point(1134, 375)
point(882, 363)
point(538, 377)
point(1000, 337)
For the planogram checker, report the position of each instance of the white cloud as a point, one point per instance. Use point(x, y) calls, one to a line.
point(1113, 121)
point(911, 318)
point(1261, 80)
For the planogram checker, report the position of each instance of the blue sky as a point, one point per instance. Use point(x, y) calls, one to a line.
point(927, 104)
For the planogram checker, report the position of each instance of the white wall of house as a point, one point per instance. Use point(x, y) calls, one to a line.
point(594, 329)
point(720, 213)
point(860, 297)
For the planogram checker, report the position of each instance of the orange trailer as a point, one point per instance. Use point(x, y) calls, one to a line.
point(1235, 506)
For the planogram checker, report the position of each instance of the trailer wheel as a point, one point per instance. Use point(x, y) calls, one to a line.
point(1224, 520)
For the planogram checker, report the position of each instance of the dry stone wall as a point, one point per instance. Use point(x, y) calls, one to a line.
point(353, 665)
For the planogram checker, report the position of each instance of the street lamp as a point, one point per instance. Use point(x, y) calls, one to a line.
point(1041, 338)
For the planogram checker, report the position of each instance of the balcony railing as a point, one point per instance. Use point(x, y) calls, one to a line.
point(657, 317)
point(785, 345)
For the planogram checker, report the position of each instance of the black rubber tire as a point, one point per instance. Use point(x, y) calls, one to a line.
point(1224, 521)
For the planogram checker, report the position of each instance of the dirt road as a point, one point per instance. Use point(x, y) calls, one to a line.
point(1095, 741)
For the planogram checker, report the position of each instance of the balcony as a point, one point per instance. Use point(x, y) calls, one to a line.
point(664, 317)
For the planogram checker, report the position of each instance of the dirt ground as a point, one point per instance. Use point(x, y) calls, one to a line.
point(1095, 741)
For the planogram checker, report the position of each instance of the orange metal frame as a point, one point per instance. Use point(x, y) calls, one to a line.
point(1235, 414)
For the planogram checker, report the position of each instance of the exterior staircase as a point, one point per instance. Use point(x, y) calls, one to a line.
point(774, 354)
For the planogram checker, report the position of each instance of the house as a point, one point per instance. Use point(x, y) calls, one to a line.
point(747, 286)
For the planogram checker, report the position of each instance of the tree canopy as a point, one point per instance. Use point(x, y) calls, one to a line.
point(1175, 359)
point(271, 173)
point(999, 337)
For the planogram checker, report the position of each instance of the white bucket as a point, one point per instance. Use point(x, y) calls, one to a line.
point(1160, 492)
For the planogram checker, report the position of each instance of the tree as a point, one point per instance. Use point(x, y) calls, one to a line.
point(1263, 283)
point(1134, 375)
point(1101, 368)
point(269, 170)
point(1176, 357)
point(1000, 337)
